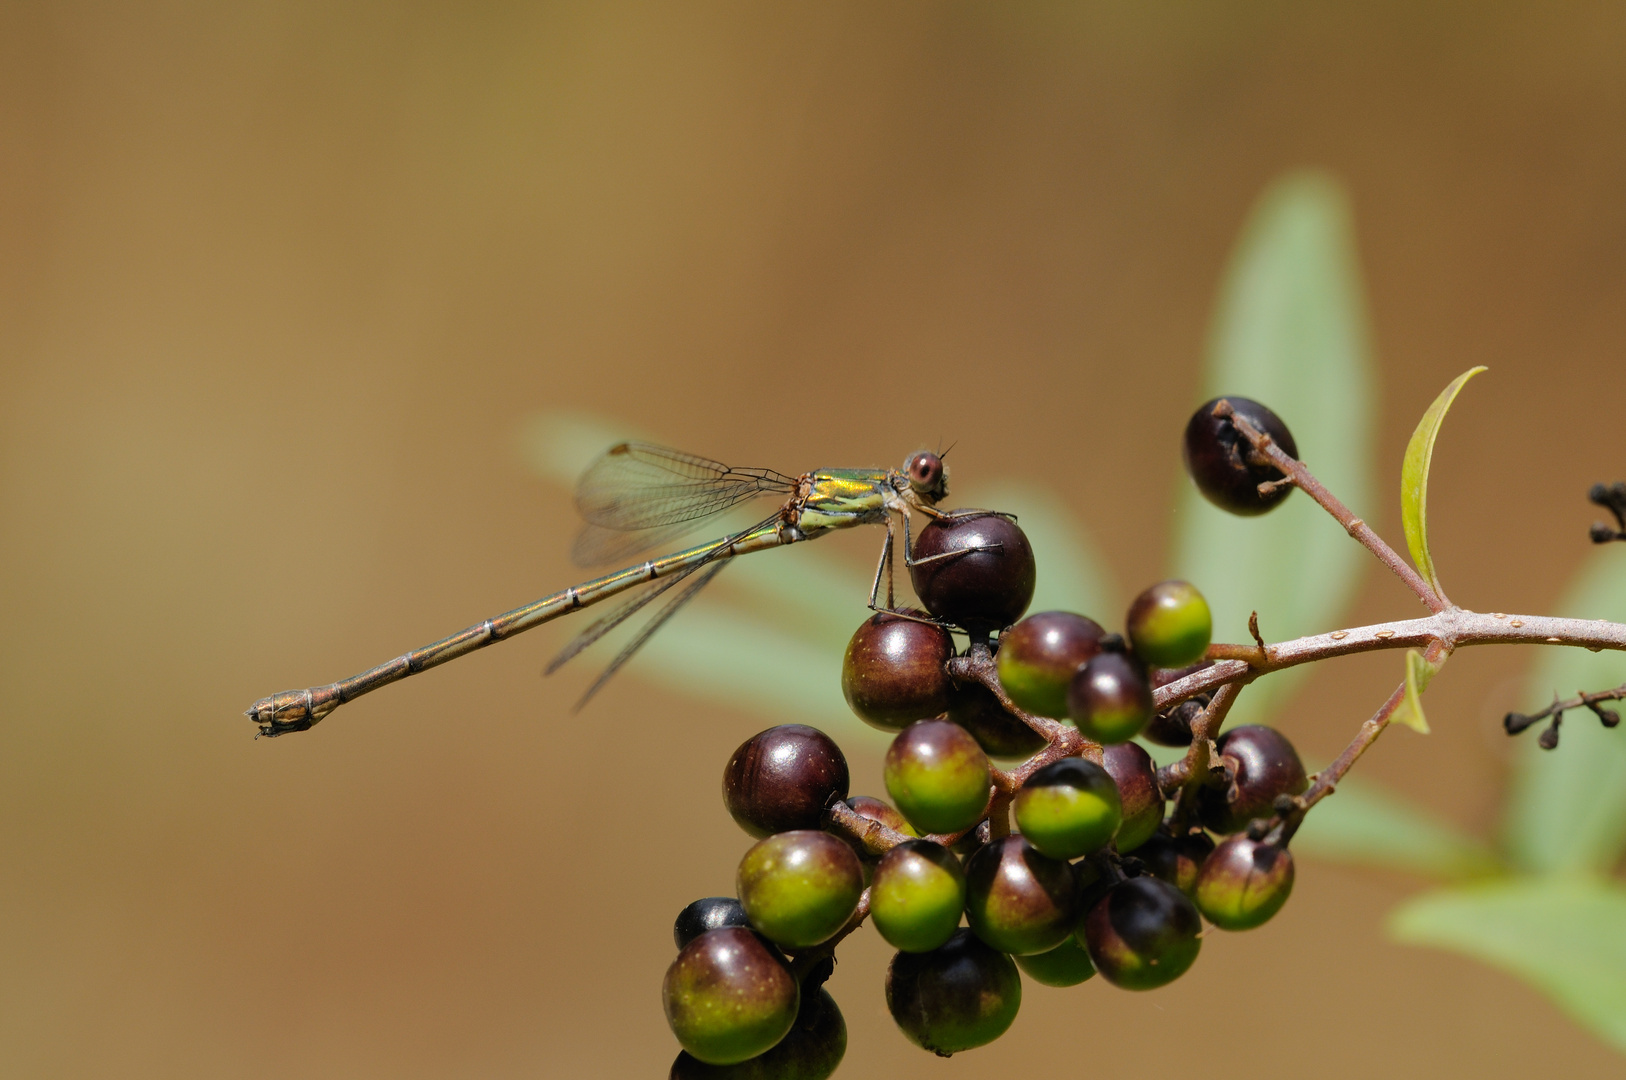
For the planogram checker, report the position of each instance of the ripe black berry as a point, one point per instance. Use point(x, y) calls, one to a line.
point(783, 778)
point(708, 913)
point(893, 674)
point(1000, 734)
point(986, 588)
point(957, 997)
point(1176, 859)
point(1262, 765)
point(1223, 464)
point(1143, 934)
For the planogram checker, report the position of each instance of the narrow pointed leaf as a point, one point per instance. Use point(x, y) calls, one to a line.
point(1562, 935)
point(1419, 673)
point(1289, 330)
point(1414, 476)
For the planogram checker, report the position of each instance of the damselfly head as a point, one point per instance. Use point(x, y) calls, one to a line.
point(927, 475)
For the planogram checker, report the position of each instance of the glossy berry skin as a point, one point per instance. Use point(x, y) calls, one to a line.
point(938, 776)
point(893, 673)
point(783, 778)
point(959, 997)
point(1143, 934)
point(1019, 900)
point(1243, 883)
point(1216, 457)
point(1038, 656)
point(1000, 734)
point(916, 896)
point(882, 811)
point(729, 997)
point(1170, 625)
point(707, 913)
point(1068, 964)
point(1069, 808)
point(1176, 859)
point(1110, 698)
point(811, 1051)
point(1132, 770)
point(799, 888)
point(982, 590)
point(1263, 765)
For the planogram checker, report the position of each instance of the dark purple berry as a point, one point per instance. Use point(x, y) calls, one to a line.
point(1019, 900)
point(729, 997)
point(893, 673)
point(1176, 859)
point(1143, 934)
point(812, 1051)
point(988, 586)
point(1132, 770)
point(1243, 883)
point(1262, 765)
point(958, 997)
point(1224, 465)
point(709, 913)
point(783, 778)
point(1110, 698)
point(1002, 735)
point(1038, 656)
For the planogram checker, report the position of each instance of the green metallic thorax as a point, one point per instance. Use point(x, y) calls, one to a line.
point(837, 498)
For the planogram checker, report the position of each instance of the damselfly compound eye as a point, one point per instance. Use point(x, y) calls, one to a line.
point(925, 471)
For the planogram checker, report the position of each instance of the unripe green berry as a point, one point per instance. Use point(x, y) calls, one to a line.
point(1069, 808)
point(1068, 964)
point(938, 776)
point(729, 997)
point(1169, 624)
point(916, 896)
point(1243, 883)
point(1038, 656)
point(812, 1051)
point(799, 887)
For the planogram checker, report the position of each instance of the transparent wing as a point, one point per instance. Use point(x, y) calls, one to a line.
point(597, 546)
point(635, 487)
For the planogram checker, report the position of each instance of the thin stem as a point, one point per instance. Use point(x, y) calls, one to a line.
point(1194, 767)
point(1302, 478)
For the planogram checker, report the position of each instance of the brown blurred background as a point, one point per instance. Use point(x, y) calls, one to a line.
point(280, 281)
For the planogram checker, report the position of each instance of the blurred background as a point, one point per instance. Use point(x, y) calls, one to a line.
point(283, 284)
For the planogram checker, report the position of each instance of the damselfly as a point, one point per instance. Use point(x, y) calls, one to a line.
point(634, 498)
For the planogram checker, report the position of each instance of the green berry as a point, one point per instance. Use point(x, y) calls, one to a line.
point(1068, 964)
point(1243, 883)
point(1069, 808)
point(1019, 900)
point(1110, 698)
point(798, 888)
point(959, 997)
point(1169, 625)
point(916, 896)
point(938, 776)
point(729, 997)
point(1143, 934)
point(812, 1051)
point(1038, 656)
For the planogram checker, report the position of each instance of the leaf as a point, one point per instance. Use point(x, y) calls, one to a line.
point(1419, 673)
point(1289, 330)
point(1561, 935)
point(1414, 477)
point(1566, 809)
point(1367, 824)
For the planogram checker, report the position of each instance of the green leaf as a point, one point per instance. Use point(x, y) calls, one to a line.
point(1414, 477)
point(1367, 824)
point(1289, 330)
point(1419, 673)
point(1567, 807)
point(1561, 935)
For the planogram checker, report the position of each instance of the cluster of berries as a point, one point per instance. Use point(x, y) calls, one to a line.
point(1105, 871)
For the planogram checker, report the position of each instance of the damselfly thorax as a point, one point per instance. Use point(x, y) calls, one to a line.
point(636, 498)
